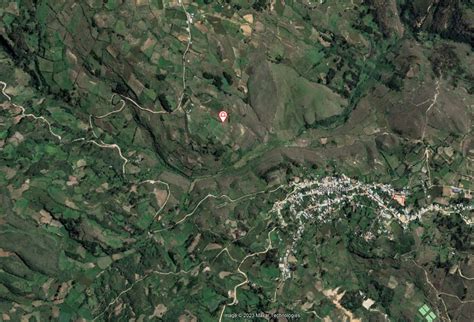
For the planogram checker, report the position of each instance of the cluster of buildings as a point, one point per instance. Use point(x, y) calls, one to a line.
point(320, 200)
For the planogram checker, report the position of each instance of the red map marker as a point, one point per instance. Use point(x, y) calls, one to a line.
point(223, 116)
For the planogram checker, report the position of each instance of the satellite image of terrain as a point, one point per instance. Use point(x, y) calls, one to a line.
point(236, 160)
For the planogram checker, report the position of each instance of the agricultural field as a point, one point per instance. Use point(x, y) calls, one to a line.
point(236, 160)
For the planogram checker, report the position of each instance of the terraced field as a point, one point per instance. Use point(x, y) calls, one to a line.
point(339, 187)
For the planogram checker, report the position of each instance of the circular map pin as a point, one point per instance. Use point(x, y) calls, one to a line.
point(223, 116)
